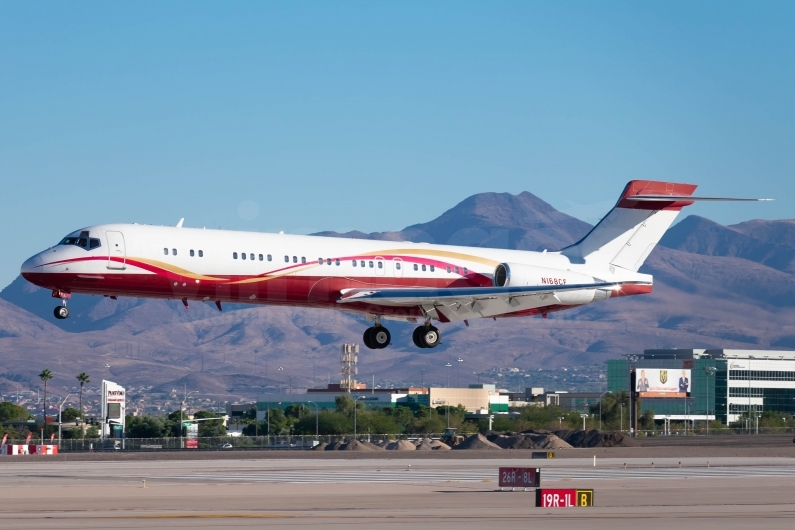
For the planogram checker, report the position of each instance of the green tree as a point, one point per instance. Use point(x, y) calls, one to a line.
point(12, 412)
point(82, 377)
point(70, 414)
point(297, 411)
point(210, 428)
point(45, 376)
point(144, 427)
point(327, 422)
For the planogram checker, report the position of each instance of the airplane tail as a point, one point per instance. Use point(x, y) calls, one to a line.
point(627, 234)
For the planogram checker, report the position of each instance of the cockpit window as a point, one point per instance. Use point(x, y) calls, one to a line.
point(88, 243)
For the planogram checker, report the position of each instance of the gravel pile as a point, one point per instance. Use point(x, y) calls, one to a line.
point(477, 442)
point(595, 438)
point(334, 446)
point(439, 446)
point(372, 446)
point(320, 447)
point(426, 444)
point(355, 445)
point(401, 445)
point(529, 440)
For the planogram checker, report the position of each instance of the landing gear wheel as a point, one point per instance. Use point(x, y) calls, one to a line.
point(416, 337)
point(61, 312)
point(380, 337)
point(429, 336)
point(367, 338)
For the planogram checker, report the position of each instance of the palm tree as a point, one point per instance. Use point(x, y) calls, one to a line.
point(45, 376)
point(83, 378)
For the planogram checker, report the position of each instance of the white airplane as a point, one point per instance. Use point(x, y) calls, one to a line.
point(382, 280)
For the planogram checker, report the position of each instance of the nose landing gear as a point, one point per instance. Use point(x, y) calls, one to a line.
point(61, 312)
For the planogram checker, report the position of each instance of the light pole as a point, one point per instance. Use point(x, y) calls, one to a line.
point(622, 418)
point(107, 371)
point(422, 378)
point(448, 365)
point(60, 409)
point(583, 416)
point(560, 422)
point(317, 413)
point(600, 407)
point(279, 370)
point(182, 406)
point(458, 364)
point(710, 370)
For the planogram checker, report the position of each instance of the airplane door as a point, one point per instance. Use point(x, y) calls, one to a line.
point(117, 251)
point(397, 267)
point(380, 266)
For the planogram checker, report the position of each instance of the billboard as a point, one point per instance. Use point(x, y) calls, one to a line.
point(662, 382)
point(113, 409)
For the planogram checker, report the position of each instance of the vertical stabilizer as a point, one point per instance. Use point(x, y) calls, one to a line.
point(627, 234)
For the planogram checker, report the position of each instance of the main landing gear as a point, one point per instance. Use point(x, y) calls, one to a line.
point(377, 337)
point(426, 336)
point(61, 312)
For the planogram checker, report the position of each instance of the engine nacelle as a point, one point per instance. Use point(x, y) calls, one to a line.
point(519, 275)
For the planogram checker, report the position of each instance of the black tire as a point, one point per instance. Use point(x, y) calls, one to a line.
point(416, 337)
point(61, 312)
point(430, 336)
point(366, 338)
point(380, 337)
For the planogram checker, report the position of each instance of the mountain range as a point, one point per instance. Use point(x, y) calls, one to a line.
point(715, 287)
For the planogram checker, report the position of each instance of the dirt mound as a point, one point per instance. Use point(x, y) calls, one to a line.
point(439, 446)
point(401, 445)
point(372, 446)
point(426, 444)
point(320, 447)
point(381, 443)
point(355, 445)
point(529, 440)
point(477, 441)
point(335, 446)
point(595, 438)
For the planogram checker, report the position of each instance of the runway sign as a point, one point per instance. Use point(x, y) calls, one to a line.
point(563, 498)
point(519, 477)
point(542, 454)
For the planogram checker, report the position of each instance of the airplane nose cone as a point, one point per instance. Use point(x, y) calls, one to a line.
point(31, 265)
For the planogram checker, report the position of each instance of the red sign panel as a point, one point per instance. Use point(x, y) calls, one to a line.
point(563, 498)
point(191, 444)
point(519, 477)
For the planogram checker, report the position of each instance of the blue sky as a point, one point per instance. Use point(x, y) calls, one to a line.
point(334, 116)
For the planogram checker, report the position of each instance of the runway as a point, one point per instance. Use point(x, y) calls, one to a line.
point(377, 493)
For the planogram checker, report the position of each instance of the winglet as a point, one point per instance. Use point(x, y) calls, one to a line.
point(179, 224)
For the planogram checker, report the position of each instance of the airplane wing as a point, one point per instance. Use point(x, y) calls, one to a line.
point(459, 303)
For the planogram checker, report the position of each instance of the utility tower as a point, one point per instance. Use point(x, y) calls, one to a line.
point(350, 355)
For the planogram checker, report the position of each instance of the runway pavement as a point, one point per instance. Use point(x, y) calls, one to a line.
point(377, 493)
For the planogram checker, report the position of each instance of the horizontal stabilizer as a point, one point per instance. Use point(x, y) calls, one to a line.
point(674, 198)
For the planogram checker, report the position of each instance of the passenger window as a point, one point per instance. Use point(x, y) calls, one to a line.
point(251, 256)
point(380, 264)
point(165, 251)
point(354, 263)
point(242, 255)
point(234, 255)
point(361, 263)
point(269, 257)
point(320, 261)
point(303, 259)
point(328, 261)
point(371, 264)
point(423, 267)
point(432, 268)
point(295, 259)
point(456, 270)
point(397, 266)
point(174, 251)
point(466, 271)
point(260, 257)
point(337, 262)
point(287, 259)
point(94, 242)
point(448, 270)
point(191, 253)
point(415, 267)
point(201, 253)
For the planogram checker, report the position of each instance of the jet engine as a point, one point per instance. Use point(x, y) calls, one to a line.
point(519, 275)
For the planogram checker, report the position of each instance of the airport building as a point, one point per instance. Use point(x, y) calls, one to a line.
point(475, 398)
point(700, 384)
